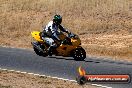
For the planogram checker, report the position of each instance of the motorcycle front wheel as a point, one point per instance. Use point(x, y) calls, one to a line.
point(79, 54)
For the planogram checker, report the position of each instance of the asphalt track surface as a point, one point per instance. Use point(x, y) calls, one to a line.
point(63, 67)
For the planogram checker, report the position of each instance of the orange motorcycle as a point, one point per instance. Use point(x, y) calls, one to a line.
point(69, 47)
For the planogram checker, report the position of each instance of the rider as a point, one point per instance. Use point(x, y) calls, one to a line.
point(49, 33)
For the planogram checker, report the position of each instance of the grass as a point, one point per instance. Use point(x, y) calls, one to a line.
point(20, 80)
point(91, 19)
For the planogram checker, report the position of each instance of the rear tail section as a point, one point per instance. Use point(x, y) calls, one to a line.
point(36, 36)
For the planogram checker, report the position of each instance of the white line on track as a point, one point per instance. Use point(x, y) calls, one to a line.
point(17, 48)
point(12, 47)
point(100, 86)
point(51, 77)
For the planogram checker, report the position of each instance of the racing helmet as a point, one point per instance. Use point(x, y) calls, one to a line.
point(57, 19)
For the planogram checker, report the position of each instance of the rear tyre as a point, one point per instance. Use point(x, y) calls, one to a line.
point(38, 52)
point(79, 54)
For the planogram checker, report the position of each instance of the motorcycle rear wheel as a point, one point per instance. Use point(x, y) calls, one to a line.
point(38, 52)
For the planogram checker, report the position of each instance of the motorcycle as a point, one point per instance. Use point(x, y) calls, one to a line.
point(69, 47)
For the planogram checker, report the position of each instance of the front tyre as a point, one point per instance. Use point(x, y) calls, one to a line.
point(79, 54)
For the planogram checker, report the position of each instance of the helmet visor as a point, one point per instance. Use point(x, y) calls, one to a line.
point(59, 21)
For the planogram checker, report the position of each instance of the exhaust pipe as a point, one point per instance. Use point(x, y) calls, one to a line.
point(37, 47)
